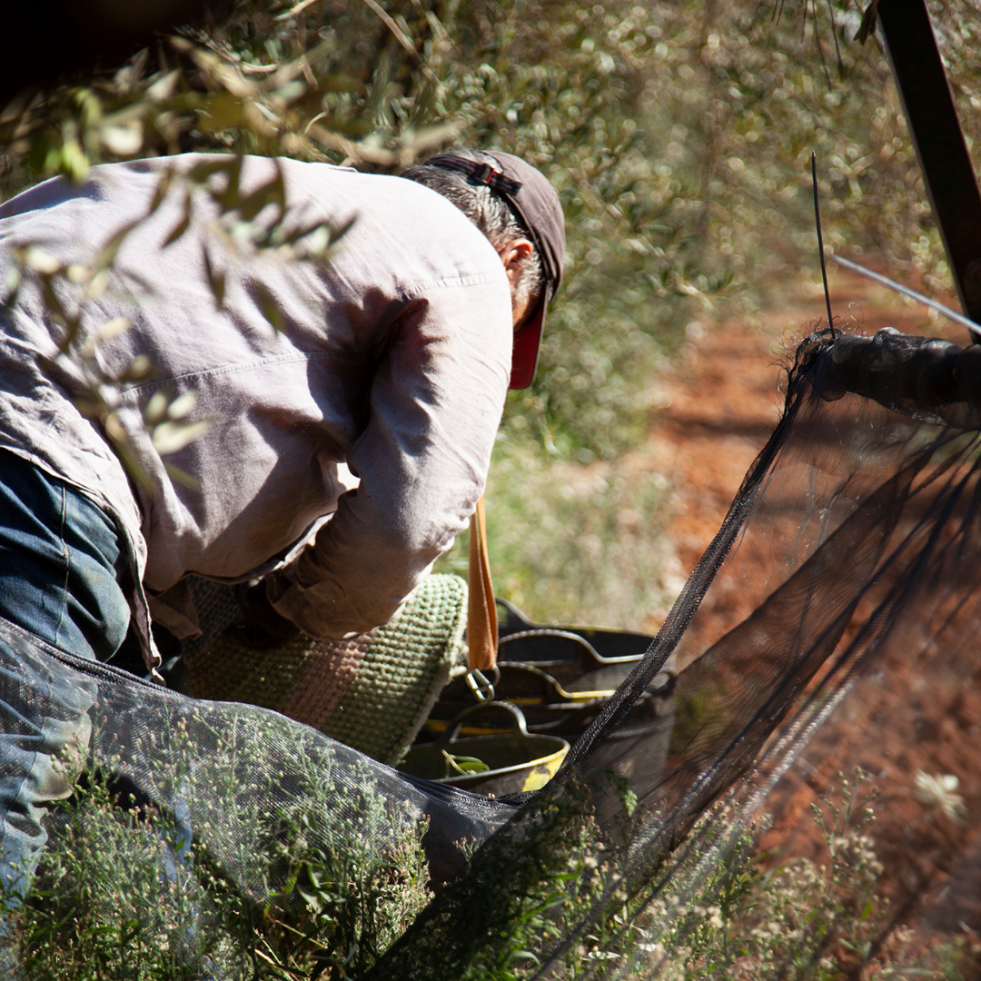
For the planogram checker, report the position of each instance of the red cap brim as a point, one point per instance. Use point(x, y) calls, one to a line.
point(526, 347)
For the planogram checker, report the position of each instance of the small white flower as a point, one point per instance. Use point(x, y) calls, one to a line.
point(940, 790)
point(602, 955)
point(651, 948)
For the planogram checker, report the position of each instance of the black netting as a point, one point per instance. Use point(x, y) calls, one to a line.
point(855, 541)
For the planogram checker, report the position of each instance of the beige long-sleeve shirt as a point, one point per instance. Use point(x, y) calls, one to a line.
point(393, 358)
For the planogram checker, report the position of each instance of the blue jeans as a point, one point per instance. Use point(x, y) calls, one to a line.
point(60, 562)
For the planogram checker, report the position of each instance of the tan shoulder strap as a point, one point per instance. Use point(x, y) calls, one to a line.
point(481, 611)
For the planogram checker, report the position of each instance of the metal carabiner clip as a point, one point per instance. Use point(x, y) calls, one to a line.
point(481, 686)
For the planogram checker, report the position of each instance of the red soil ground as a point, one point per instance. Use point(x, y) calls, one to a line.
point(722, 404)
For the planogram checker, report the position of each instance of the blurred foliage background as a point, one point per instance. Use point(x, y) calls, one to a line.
point(679, 138)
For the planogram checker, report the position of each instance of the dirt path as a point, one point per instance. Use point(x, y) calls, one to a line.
point(721, 405)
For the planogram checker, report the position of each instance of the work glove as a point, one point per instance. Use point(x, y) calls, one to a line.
point(261, 627)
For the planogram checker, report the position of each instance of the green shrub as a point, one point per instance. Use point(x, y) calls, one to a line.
point(122, 892)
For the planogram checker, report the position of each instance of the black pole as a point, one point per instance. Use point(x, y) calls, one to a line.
point(948, 173)
point(817, 222)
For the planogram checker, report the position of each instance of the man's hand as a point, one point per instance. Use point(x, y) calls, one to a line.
point(262, 626)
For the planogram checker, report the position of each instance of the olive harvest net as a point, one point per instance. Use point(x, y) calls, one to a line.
point(856, 541)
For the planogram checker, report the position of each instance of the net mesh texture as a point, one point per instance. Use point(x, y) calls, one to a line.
point(854, 539)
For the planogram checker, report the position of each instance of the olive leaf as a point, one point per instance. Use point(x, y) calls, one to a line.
point(184, 223)
point(463, 765)
point(268, 305)
point(216, 277)
point(867, 27)
point(172, 435)
point(105, 332)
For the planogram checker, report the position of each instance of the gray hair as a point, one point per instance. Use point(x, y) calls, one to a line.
point(487, 211)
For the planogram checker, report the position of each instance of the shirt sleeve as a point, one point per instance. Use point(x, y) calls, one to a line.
point(435, 405)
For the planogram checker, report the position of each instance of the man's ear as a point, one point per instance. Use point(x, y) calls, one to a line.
point(513, 254)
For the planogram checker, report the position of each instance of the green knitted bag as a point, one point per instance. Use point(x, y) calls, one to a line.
point(373, 693)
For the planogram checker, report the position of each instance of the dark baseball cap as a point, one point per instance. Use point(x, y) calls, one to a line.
point(527, 192)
